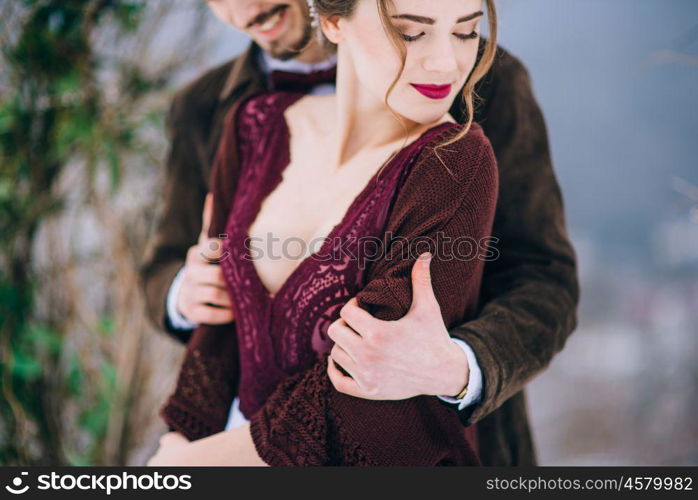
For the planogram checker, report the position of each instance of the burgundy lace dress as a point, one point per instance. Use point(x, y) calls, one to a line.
point(284, 334)
point(281, 341)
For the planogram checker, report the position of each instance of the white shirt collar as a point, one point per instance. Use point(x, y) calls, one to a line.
point(269, 64)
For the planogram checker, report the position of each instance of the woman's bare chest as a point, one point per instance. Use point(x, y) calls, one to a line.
point(295, 219)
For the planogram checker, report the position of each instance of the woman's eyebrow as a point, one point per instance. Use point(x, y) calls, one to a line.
point(429, 20)
point(416, 19)
point(469, 17)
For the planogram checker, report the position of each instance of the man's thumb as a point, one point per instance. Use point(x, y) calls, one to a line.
point(422, 291)
point(206, 216)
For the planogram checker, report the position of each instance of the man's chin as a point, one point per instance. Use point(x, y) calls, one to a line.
point(285, 51)
point(283, 54)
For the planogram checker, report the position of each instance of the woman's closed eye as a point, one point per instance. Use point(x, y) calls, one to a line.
point(466, 36)
point(412, 38)
point(460, 36)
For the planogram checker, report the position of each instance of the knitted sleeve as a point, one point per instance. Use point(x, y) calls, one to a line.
point(208, 378)
point(445, 206)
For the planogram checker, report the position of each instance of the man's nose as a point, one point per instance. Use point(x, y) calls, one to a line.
point(241, 11)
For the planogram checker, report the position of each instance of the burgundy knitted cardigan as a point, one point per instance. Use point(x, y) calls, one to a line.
point(450, 192)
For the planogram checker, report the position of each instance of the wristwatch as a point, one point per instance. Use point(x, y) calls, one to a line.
point(462, 393)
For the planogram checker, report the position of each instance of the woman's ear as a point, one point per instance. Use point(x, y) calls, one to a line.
point(331, 29)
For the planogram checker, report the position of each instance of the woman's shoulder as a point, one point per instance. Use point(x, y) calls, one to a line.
point(446, 179)
point(313, 113)
point(448, 155)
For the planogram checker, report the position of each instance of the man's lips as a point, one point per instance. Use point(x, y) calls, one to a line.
point(433, 91)
point(261, 18)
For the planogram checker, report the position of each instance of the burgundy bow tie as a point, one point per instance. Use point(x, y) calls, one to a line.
point(301, 82)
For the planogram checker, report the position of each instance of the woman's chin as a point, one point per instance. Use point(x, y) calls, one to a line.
point(426, 117)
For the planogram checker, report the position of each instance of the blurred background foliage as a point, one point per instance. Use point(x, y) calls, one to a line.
point(83, 91)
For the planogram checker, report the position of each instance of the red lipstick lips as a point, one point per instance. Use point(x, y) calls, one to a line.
point(433, 91)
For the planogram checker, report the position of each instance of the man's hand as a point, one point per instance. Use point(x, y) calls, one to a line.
point(397, 359)
point(203, 297)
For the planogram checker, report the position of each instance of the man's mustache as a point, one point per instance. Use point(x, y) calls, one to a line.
point(262, 17)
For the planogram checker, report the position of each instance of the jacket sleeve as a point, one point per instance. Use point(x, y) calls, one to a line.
point(308, 422)
point(179, 218)
point(530, 290)
point(208, 378)
point(193, 125)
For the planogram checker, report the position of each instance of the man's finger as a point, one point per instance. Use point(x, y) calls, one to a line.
point(206, 216)
point(341, 382)
point(422, 292)
point(360, 320)
point(210, 315)
point(344, 360)
point(212, 295)
point(203, 274)
point(343, 336)
point(210, 250)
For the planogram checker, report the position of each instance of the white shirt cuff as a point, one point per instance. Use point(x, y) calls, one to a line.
point(177, 320)
point(474, 379)
point(235, 416)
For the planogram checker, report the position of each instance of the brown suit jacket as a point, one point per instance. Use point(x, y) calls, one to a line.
point(530, 292)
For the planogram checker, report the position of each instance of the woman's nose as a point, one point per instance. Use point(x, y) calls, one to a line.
point(441, 59)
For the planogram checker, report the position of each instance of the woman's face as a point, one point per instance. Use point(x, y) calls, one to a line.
point(441, 40)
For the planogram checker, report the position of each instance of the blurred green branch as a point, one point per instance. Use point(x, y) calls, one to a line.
point(67, 104)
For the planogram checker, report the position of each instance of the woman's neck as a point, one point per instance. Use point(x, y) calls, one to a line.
point(363, 121)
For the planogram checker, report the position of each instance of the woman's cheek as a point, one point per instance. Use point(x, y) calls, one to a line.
point(379, 60)
point(467, 64)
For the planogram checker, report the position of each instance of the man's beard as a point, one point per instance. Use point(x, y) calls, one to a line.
point(286, 53)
